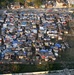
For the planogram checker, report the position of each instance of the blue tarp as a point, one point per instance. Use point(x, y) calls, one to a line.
point(25, 53)
point(43, 50)
point(23, 23)
point(57, 45)
point(51, 47)
point(46, 24)
point(7, 50)
point(15, 41)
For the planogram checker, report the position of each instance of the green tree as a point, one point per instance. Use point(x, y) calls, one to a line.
point(37, 2)
point(2, 2)
point(15, 68)
point(20, 1)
